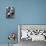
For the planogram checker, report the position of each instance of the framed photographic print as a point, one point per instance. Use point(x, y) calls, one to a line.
point(10, 12)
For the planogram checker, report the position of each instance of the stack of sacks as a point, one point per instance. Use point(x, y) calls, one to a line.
point(24, 34)
point(37, 37)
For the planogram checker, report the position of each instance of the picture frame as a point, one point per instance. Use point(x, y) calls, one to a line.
point(10, 12)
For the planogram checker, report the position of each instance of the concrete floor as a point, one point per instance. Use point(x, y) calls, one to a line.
point(7, 45)
point(30, 43)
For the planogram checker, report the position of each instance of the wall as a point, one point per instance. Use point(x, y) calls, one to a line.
point(6, 25)
point(31, 11)
point(27, 12)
